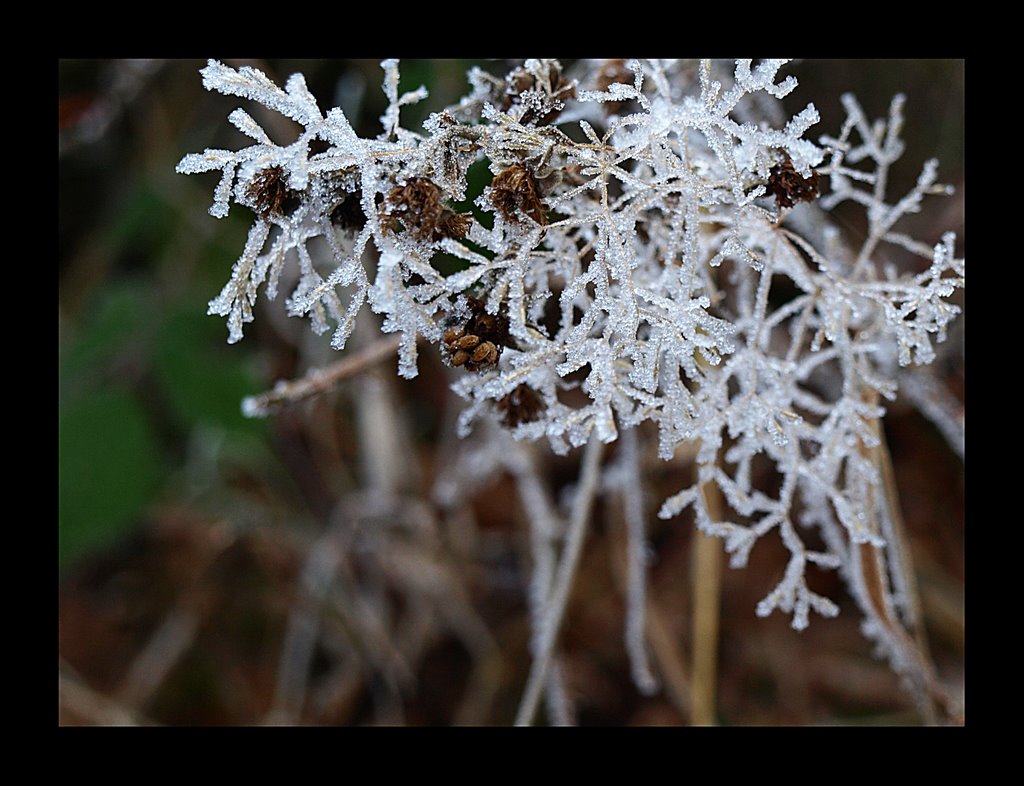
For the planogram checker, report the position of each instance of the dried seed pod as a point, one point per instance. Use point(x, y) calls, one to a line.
point(490, 327)
point(451, 335)
point(479, 344)
point(485, 354)
point(521, 405)
point(540, 91)
point(485, 323)
point(270, 196)
point(789, 187)
point(515, 190)
point(455, 225)
point(418, 207)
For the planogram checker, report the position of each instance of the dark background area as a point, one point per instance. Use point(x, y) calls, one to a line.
point(185, 529)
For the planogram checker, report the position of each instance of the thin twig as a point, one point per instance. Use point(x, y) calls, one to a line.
point(668, 654)
point(158, 658)
point(84, 704)
point(707, 580)
point(318, 381)
point(636, 565)
point(589, 474)
point(874, 570)
point(544, 525)
point(560, 709)
point(302, 632)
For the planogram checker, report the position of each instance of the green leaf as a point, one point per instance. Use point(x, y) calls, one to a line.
point(114, 331)
point(108, 469)
point(204, 378)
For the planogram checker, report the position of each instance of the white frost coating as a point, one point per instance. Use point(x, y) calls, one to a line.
point(649, 272)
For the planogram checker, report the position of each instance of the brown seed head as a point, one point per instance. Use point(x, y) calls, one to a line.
point(542, 92)
point(270, 195)
point(479, 344)
point(789, 187)
point(418, 207)
point(486, 354)
point(451, 335)
point(521, 405)
point(455, 225)
point(515, 190)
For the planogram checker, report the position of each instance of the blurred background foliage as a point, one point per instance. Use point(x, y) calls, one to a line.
point(179, 518)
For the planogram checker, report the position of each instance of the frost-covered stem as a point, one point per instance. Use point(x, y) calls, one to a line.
point(757, 331)
point(544, 526)
point(636, 568)
point(707, 581)
point(318, 381)
point(589, 475)
point(910, 653)
point(896, 537)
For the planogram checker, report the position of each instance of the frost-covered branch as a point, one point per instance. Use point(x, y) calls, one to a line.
point(649, 255)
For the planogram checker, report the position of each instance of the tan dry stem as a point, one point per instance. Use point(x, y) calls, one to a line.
point(319, 381)
point(707, 591)
point(875, 572)
point(590, 472)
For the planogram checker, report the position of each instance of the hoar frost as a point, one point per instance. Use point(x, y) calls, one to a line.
point(648, 243)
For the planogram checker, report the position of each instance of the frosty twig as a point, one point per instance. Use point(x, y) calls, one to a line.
point(319, 381)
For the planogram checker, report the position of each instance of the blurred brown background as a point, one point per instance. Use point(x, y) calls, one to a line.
point(219, 570)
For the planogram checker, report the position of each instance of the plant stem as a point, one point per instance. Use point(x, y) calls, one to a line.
point(318, 381)
point(895, 562)
point(707, 589)
point(557, 601)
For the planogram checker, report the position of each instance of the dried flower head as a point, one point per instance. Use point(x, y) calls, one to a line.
point(540, 90)
point(778, 365)
point(455, 225)
point(478, 345)
point(789, 187)
point(340, 199)
point(514, 191)
point(522, 405)
point(270, 196)
point(417, 206)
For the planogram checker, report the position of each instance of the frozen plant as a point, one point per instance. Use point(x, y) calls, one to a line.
point(654, 245)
